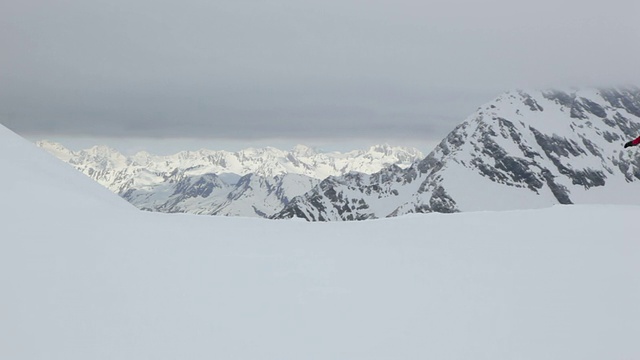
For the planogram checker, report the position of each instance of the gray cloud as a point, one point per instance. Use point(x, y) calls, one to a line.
point(260, 69)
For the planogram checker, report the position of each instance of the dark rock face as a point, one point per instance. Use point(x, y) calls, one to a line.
point(201, 186)
point(560, 192)
point(504, 168)
point(530, 102)
point(441, 202)
point(554, 146)
point(593, 108)
point(559, 97)
point(627, 99)
point(628, 127)
point(591, 147)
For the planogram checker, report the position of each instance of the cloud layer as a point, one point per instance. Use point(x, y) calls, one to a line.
point(291, 68)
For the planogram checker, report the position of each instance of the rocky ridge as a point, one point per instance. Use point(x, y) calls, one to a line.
point(525, 149)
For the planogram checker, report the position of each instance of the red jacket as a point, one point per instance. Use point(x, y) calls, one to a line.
point(636, 141)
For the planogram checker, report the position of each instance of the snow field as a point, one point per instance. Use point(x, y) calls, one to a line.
point(83, 275)
point(552, 283)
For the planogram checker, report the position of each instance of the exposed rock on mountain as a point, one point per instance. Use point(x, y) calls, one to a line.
point(251, 182)
point(522, 150)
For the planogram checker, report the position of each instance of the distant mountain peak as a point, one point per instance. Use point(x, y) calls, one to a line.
point(303, 150)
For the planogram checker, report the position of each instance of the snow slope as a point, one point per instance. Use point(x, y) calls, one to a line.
point(83, 276)
point(55, 185)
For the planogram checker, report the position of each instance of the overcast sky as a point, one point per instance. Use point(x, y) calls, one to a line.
point(296, 70)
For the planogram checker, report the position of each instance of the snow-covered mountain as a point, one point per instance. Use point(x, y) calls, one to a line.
point(251, 182)
point(522, 150)
point(207, 194)
point(86, 276)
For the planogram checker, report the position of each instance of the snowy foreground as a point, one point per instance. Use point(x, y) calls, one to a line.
point(84, 275)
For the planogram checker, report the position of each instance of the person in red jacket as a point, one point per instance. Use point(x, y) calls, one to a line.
point(633, 142)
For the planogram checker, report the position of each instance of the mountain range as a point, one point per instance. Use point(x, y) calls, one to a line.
point(250, 182)
point(524, 149)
